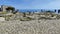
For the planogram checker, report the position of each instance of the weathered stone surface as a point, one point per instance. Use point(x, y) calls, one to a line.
point(2, 19)
point(30, 27)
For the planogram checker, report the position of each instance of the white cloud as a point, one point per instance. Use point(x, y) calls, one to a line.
point(52, 5)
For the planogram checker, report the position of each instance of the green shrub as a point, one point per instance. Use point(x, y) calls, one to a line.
point(4, 12)
point(26, 19)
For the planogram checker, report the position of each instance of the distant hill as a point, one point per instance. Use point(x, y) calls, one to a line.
point(30, 10)
point(33, 10)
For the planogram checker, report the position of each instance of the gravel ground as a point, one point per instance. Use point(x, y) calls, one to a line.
point(30, 27)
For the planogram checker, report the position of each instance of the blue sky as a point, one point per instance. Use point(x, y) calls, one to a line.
point(32, 4)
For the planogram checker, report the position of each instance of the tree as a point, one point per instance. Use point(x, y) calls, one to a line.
point(59, 11)
point(24, 14)
point(10, 8)
point(55, 10)
point(15, 11)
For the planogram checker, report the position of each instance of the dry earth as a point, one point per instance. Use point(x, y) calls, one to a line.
point(30, 27)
